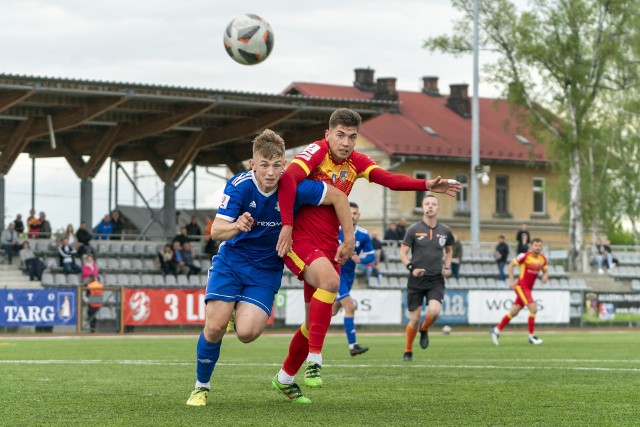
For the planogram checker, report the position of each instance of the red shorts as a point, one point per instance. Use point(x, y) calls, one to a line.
point(523, 296)
point(303, 253)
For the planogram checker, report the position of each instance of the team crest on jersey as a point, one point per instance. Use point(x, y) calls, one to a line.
point(442, 240)
point(252, 204)
point(224, 202)
point(343, 175)
point(334, 177)
point(278, 206)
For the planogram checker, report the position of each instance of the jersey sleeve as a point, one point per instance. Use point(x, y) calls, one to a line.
point(450, 240)
point(409, 236)
point(368, 253)
point(231, 204)
point(310, 193)
point(396, 181)
point(520, 258)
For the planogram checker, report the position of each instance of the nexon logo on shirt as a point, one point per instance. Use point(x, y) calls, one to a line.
point(269, 223)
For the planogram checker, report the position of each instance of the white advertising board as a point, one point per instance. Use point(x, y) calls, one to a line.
point(489, 307)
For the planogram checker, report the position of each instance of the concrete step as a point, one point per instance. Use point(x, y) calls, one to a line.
point(603, 282)
point(12, 277)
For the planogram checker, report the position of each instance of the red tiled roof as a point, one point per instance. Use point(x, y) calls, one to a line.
point(403, 133)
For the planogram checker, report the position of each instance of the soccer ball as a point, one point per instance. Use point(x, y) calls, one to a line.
point(446, 329)
point(248, 39)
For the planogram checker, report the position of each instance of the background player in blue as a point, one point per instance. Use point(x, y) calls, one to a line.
point(363, 254)
point(247, 268)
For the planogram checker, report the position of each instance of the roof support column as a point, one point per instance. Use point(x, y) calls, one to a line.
point(2, 200)
point(86, 200)
point(169, 209)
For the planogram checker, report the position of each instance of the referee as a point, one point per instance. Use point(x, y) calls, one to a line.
point(428, 241)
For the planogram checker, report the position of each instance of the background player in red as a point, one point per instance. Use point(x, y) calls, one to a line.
point(531, 263)
point(315, 232)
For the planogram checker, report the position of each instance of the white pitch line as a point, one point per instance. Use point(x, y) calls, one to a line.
point(362, 366)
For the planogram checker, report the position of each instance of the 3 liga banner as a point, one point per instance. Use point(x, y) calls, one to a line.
point(38, 307)
point(488, 307)
point(163, 307)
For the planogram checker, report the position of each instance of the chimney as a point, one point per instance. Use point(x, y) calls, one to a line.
point(459, 100)
point(386, 89)
point(364, 79)
point(430, 85)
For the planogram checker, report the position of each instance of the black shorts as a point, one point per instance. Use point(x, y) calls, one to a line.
point(419, 288)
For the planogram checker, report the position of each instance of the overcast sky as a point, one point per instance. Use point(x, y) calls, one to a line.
point(179, 43)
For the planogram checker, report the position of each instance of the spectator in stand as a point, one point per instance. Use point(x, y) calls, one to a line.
point(70, 235)
point(501, 254)
point(178, 260)
point(83, 235)
point(89, 268)
point(165, 260)
point(9, 242)
point(180, 221)
point(402, 227)
point(32, 264)
point(104, 229)
point(94, 293)
point(18, 224)
point(392, 233)
point(601, 254)
point(187, 256)
point(67, 260)
point(45, 227)
point(211, 247)
point(193, 229)
point(611, 260)
point(379, 252)
point(456, 257)
point(117, 225)
point(523, 238)
point(181, 237)
point(33, 224)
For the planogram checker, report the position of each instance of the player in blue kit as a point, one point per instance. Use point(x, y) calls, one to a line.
point(363, 254)
point(247, 271)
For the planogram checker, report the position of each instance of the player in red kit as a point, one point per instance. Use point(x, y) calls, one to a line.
point(531, 263)
point(313, 254)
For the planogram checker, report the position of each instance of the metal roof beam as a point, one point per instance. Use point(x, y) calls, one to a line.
point(103, 150)
point(185, 156)
point(13, 97)
point(16, 144)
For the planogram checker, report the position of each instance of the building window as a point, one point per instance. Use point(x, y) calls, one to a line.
point(539, 196)
point(502, 194)
point(420, 194)
point(462, 198)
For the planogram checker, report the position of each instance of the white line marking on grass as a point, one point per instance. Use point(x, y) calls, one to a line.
point(362, 366)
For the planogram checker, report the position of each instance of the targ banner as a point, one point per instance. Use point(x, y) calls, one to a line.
point(38, 307)
point(488, 307)
point(611, 307)
point(163, 307)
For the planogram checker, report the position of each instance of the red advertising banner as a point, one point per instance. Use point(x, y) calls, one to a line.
point(163, 307)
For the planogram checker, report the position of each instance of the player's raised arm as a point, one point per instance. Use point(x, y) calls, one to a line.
point(340, 203)
point(399, 182)
point(221, 229)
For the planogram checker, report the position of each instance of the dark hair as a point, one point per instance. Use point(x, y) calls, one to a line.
point(345, 117)
point(91, 277)
point(536, 240)
point(354, 205)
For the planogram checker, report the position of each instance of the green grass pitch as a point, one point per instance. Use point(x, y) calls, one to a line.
point(574, 378)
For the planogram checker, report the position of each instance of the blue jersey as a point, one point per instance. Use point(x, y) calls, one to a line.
point(364, 248)
point(258, 247)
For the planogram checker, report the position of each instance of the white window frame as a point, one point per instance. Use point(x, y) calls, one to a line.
point(539, 189)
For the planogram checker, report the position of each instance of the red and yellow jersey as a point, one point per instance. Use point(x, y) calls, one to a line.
point(530, 267)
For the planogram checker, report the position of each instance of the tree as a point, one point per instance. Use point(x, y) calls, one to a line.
point(554, 59)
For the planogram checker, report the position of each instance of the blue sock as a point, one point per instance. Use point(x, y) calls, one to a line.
point(350, 329)
point(207, 355)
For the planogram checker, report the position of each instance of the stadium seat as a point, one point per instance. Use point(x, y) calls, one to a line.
point(183, 281)
point(113, 264)
point(136, 264)
point(73, 280)
point(158, 280)
point(60, 279)
point(150, 248)
point(48, 279)
point(195, 281)
point(135, 279)
point(138, 249)
point(102, 248)
point(170, 280)
point(123, 280)
point(149, 265)
point(125, 264)
point(147, 280)
point(126, 249)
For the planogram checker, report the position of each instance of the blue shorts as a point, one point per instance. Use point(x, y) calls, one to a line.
point(244, 283)
point(346, 282)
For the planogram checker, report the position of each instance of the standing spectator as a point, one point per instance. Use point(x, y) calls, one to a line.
point(501, 254)
point(187, 257)
point(402, 227)
point(165, 260)
point(104, 229)
point(45, 227)
point(70, 235)
point(89, 268)
point(117, 224)
point(456, 257)
point(9, 242)
point(180, 221)
point(193, 229)
point(95, 291)
point(19, 225)
point(181, 237)
point(83, 235)
point(33, 224)
point(523, 237)
point(430, 244)
point(67, 260)
point(32, 263)
point(393, 233)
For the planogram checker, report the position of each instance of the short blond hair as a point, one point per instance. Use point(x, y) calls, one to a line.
point(269, 145)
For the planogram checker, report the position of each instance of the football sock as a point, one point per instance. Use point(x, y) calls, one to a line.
point(427, 322)
point(315, 358)
point(298, 351)
point(411, 335)
point(350, 329)
point(504, 322)
point(207, 355)
point(532, 323)
point(284, 378)
point(320, 310)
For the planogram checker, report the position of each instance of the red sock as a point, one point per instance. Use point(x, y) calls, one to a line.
point(504, 322)
point(411, 335)
point(298, 350)
point(320, 310)
point(532, 323)
point(427, 322)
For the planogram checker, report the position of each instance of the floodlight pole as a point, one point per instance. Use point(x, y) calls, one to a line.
point(475, 137)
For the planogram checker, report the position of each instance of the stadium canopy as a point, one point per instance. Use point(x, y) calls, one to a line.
point(172, 128)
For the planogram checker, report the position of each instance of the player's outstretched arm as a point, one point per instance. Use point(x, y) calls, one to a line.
point(340, 203)
point(225, 230)
point(399, 182)
point(445, 186)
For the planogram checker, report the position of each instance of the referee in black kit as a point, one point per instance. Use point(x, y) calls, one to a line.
point(427, 239)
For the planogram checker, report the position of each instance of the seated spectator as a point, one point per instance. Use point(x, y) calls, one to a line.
point(611, 260)
point(187, 256)
point(118, 225)
point(9, 242)
point(19, 225)
point(70, 235)
point(393, 233)
point(32, 264)
point(178, 260)
point(83, 235)
point(45, 227)
point(104, 229)
point(89, 268)
point(84, 250)
point(211, 246)
point(33, 224)
point(402, 227)
point(67, 260)
point(165, 258)
point(456, 257)
point(600, 254)
point(193, 229)
point(181, 237)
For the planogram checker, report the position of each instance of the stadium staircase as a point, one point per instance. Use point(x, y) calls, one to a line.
point(12, 277)
point(604, 282)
